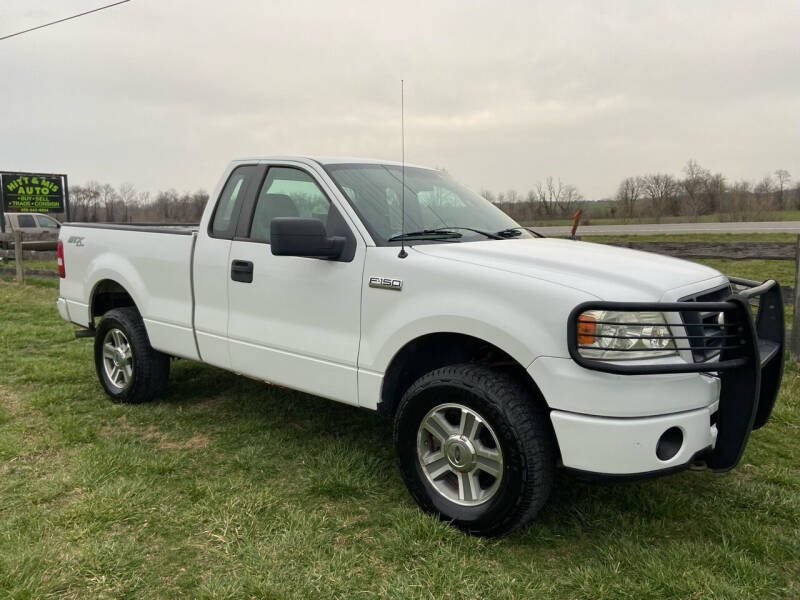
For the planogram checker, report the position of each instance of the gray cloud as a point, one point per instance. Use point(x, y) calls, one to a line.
point(501, 94)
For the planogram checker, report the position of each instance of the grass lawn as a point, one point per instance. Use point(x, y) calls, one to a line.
point(229, 488)
point(45, 265)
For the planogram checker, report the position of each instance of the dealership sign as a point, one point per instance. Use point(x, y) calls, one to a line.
point(28, 192)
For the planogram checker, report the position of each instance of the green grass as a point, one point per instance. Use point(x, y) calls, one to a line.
point(46, 265)
point(758, 270)
point(228, 488)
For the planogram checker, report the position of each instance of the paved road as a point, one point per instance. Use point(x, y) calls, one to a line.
point(765, 227)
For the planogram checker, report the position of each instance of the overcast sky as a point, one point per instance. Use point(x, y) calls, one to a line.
point(502, 94)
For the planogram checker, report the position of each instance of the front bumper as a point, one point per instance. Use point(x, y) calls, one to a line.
point(749, 367)
point(610, 446)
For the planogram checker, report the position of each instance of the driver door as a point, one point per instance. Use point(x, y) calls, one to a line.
point(295, 321)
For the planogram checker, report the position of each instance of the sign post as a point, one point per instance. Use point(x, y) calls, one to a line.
point(65, 187)
point(2, 211)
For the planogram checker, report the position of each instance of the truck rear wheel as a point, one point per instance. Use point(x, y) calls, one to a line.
point(128, 367)
point(475, 447)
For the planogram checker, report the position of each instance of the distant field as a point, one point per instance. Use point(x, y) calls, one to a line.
point(784, 215)
point(781, 270)
point(694, 237)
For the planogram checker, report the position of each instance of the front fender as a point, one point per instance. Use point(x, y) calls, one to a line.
point(522, 316)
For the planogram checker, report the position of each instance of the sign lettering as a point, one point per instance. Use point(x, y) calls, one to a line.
point(32, 193)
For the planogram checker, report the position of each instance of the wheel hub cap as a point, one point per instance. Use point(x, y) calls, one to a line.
point(117, 358)
point(460, 454)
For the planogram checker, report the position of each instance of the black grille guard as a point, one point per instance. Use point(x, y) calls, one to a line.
point(749, 363)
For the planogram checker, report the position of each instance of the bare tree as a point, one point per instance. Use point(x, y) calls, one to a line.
point(548, 195)
point(740, 196)
point(629, 191)
point(796, 195)
point(108, 199)
point(714, 189)
point(662, 189)
point(693, 185)
point(568, 200)
point(91, 196)
point(488, 195)
point(129, 201)
point(193, 206)
point(763, 193)
point(166, 203)
point(782, 178)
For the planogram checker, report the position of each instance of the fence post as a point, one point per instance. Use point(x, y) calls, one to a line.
point(795, 342)
point(18, 256)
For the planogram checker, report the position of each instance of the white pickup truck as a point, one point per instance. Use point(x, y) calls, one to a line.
point(500, 355)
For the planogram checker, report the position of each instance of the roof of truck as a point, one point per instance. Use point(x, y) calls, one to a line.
point(337, 160)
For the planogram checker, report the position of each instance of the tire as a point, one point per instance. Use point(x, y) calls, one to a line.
point(128, 367)
point(514, 438)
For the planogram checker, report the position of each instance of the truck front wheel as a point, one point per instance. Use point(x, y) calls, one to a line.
point(128, 367)
point(475, 447)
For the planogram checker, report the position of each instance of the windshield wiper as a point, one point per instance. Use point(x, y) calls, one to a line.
point(492, 236)
point(444, 231)
point(447, 228)
point(516, 232)
point(441, 234)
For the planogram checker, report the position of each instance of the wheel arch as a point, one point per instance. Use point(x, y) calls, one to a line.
point(107, 294)
point(434, 350)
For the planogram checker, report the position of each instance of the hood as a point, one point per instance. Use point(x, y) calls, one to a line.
point(607, 272)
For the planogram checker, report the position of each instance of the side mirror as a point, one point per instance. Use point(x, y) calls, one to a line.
point(292, 236)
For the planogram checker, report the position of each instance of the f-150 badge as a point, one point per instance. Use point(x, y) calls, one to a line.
point(384, 283)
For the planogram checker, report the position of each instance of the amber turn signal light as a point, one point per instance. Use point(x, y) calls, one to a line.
point(586, 329)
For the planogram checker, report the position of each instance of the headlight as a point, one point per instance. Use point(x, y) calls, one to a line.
point(611, 335)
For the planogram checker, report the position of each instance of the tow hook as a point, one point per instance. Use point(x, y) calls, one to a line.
point(698, 465)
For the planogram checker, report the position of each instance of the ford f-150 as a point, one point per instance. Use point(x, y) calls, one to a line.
point(501, 355)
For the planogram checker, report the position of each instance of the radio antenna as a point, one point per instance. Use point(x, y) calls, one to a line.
point(403, 252)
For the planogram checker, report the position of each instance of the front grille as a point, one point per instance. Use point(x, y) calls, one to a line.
point(706, 330)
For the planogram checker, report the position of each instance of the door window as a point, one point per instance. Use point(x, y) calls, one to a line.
point(230, 201)
point(47, 222)
point(25, 222)
point(287, 192)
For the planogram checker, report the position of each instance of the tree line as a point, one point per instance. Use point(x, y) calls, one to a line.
point(696, 192)
point(103, 202)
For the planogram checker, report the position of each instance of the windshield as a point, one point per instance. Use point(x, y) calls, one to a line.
point(433, 201)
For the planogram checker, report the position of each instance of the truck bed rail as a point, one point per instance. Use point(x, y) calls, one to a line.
point(172, 228)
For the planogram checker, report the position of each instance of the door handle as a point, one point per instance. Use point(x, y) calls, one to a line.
point(242, 270)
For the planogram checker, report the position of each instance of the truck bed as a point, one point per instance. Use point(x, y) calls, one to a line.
point(152, 262)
